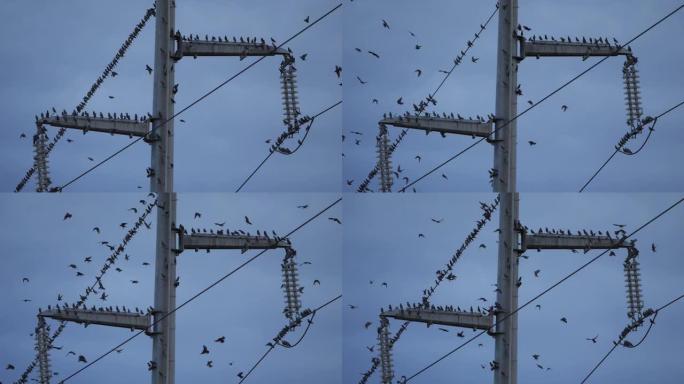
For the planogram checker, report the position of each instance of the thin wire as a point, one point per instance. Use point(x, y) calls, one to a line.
point(543, 99)
point(212, 285)
point(273, 151)
point(622, 240)
point(272, 347)
point(617, 149)
point(199, 99)
point(616, 344)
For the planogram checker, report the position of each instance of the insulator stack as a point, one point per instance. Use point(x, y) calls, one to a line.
point(384, 160)
point(42, 334)
point(40, 140)
point(288, 83)
point(630, 76)
point(633, 285)
point(291, 284)
point(385, 351)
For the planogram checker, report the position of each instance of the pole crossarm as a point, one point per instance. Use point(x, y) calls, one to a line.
point(463, 319)
point(469, 127)
point(229, 241)
point(551, 48)
point(196, 48)
point(565, 241)
point(130, 320)
point(113, 126)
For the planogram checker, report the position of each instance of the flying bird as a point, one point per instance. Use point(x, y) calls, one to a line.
point(306, 20)
point(563, 319)
point(338, 71)
point(419, 72)
point(593, 339)
point(148, 69)
point(385, 24)
point(67, 216)
point(400, 101)
point(198, 215)
point(205, 350)
point(247, 220)
point(360, 81)
point(316, 282)
point(221, 339)
point(335, 219)
point(374, 54)
point(564, 108)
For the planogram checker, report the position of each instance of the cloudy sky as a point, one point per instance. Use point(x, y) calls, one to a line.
point(245, 308)
point(58, 50)
point(381, 244)
point(570, 146)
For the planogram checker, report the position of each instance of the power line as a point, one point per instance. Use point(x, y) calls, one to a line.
point(313, 118)
point(212, 285)
point(403, 189)
point(273, 345)
point(363, 185)
point(615, 345)
point(618, 147)
point(622, 240)
point(125, 147)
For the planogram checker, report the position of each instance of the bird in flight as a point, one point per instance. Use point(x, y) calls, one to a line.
point(247, 220)
point(148, 69)
point(536, 272)
point(198, 215)
point(221, 339)
point(474, 59)
point(374, 54)
point(653, 247)
point(360, 81)
point(205, 350)
point(316, 282)
point(385, 24)
point(306, 20)
point(338, 71)
point(437, 221)
point(564, 108)
point(593, 339)
point(305, 206)
point(419, 72)
point(563, 319)
point(400, 101)
point(531, 143)
point(67, 216)
point(335, 219)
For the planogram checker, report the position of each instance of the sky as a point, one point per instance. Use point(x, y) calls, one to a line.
point(570, 146)
point(224, 135)
point(381, 244)
point(245, 308)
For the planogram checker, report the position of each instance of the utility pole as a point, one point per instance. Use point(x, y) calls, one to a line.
point(161, 183)
point(504, 182)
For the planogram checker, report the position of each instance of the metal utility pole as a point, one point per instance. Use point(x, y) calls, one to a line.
point(161, 182)
point(504, 182)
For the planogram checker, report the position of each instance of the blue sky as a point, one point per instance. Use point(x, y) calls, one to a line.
point(381, 244)
point(245, 308)
point(58, 50)
point(570, 146)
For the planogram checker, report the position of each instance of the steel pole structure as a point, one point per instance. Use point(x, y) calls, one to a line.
point(161, 182)
point(504, 182)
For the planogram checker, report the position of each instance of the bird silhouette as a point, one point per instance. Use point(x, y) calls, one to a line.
point(205, 350)
point(306, 20)
point(221, 340)
point(335, 219)
point(247, 220)
point(593, 339)
point(385, 24)
point(148, 69)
